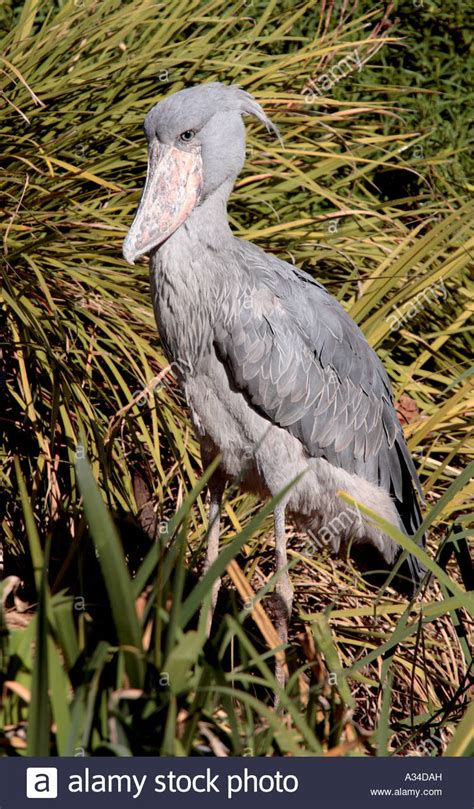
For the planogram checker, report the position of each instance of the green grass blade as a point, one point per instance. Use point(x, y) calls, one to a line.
point(114, 571)
point(39, 717)
point(462, 743)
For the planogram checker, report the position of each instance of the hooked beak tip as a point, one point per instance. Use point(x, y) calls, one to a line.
point(128, 252)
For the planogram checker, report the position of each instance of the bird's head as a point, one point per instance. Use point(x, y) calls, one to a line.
point(196, 143)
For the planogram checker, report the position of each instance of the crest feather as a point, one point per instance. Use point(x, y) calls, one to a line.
point(249, 106)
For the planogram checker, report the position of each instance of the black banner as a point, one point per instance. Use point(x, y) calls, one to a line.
point(99, 783)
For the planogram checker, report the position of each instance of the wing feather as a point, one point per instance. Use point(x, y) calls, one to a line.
point(306, 365)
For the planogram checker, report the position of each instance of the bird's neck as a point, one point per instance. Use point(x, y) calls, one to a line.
point(188, 272)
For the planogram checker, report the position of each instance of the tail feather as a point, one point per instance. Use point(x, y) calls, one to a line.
point(412, 570)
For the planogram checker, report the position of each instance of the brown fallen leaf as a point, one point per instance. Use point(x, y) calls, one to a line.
point(407, 409)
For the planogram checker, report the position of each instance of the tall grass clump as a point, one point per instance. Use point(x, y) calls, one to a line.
point(103, 522)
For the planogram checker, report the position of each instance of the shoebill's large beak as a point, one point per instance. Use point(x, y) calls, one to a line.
point(172, 190)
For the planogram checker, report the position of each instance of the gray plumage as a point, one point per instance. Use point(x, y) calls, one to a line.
point(279, 379)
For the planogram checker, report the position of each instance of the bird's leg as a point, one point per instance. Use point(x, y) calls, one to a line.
point(283, 589)
point(216, 489)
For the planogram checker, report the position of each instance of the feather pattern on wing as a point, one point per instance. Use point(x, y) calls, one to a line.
point(305, 364)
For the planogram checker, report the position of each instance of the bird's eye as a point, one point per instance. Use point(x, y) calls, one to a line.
point(187, 135)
